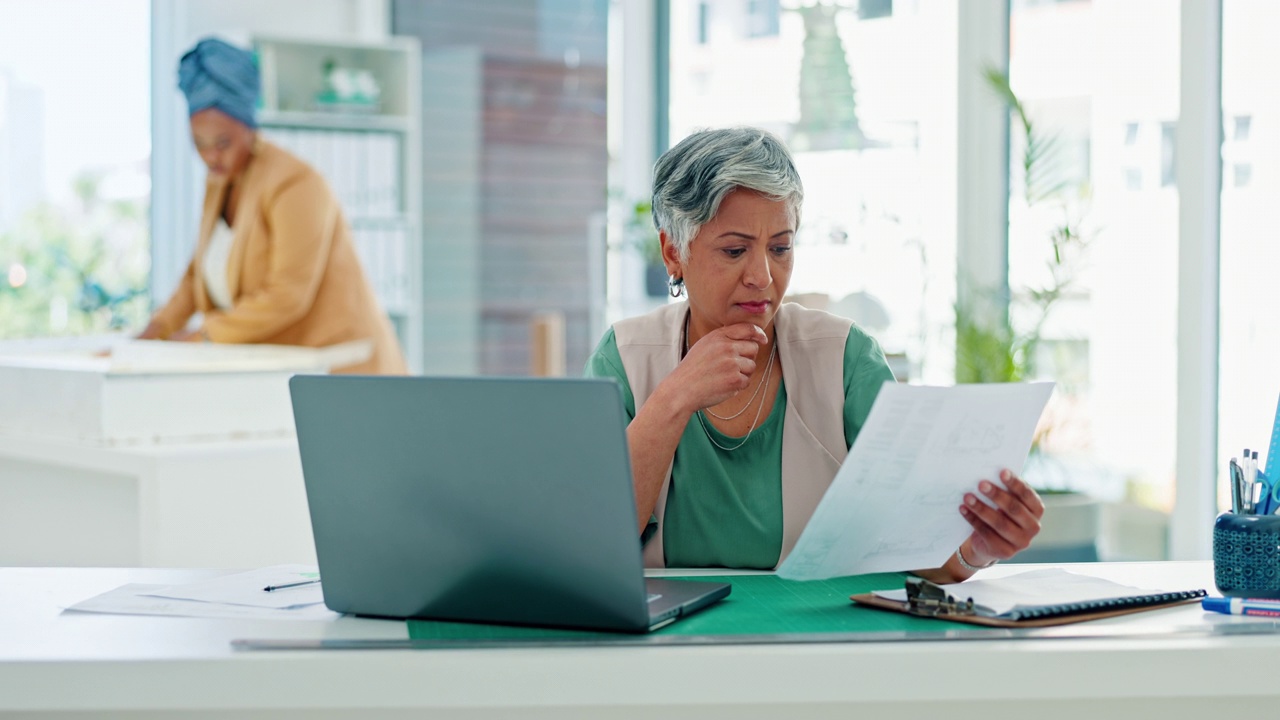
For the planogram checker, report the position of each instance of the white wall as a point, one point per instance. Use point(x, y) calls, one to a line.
point(176, 174)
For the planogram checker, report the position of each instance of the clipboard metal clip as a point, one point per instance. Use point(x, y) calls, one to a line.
point(927, 599)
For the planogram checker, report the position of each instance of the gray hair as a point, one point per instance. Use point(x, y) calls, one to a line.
point(691, 179)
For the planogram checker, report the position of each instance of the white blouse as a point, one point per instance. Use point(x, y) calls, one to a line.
point(215, 265)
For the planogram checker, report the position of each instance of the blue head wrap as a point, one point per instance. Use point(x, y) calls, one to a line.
point(215, 74)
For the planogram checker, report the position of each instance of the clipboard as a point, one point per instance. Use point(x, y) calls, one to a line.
point(925, 599)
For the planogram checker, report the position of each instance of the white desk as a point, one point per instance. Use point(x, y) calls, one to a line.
point(70, 665)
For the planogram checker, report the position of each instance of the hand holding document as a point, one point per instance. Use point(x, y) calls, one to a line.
point(895, 503)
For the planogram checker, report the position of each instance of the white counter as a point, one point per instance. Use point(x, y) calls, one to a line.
point(80, 666)
point(161, 454)
point(113, 391)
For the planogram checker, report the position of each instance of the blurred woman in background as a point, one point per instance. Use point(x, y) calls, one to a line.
point(274, 261)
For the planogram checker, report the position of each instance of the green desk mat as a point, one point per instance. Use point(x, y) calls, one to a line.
point(758, 605)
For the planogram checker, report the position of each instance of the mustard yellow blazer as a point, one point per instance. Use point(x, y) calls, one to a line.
point(293, 272)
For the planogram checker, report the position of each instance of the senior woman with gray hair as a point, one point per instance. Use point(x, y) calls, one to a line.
point(741, 407)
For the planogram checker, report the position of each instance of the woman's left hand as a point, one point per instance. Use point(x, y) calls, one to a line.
point(1002, 531)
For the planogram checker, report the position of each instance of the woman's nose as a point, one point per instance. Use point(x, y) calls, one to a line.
point(758, 273)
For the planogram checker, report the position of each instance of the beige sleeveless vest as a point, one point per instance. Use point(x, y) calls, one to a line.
point(811, 347)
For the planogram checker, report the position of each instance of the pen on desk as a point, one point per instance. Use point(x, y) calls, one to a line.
point(271, 588)
point(1242, 606)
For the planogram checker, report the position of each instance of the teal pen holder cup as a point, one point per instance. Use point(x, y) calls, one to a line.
point(1246, 555)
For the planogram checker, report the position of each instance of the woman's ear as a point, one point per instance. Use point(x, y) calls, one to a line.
point(670, 254)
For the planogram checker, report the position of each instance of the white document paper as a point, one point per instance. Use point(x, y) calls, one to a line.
point(895, 503)
point(1035, 588)
point(133, 600)
point(246, 588)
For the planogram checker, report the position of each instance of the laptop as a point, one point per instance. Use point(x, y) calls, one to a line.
point(493, 500)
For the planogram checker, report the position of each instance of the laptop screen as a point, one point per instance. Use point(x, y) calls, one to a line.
point(484, 499)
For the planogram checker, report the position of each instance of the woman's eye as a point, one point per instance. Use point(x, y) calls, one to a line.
point(734, 252)
point(781, 249)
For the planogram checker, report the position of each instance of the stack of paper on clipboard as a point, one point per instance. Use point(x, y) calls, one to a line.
point(1036, 598)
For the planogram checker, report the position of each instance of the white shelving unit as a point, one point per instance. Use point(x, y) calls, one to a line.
point(366, 151)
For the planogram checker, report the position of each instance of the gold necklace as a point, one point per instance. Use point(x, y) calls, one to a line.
point(745, 438)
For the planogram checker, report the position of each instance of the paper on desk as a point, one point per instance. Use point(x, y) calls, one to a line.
point(246, 588)
point(134, 600)
point(1034, 588)
point(895, 503)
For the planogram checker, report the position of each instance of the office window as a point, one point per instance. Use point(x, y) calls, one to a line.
point(1168, 154)
point(1241, 174)
point(1093, 255)
point(1132, 179)
point(762, 18)
point(872, 9)
point(75, 181)
point(1131, 134)
point(1237, 155)
point(1248, 327)
point(514, 176)
point(857, 103)
point(1131, 157)
point(1240, 127)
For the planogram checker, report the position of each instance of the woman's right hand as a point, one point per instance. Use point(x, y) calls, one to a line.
point(719, 365)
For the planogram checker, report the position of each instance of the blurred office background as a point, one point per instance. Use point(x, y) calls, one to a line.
point(497, 193)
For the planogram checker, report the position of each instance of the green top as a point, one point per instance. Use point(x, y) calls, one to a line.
point(724, 508)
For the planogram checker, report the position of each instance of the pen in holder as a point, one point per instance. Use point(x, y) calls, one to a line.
point(1246, 555)
point(1246, 541)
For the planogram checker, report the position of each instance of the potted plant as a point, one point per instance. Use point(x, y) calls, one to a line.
point(992, 347)
point(996, 349)
point(643, 236)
